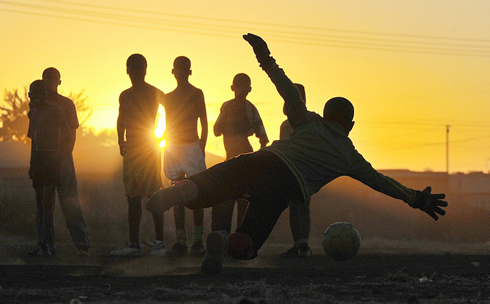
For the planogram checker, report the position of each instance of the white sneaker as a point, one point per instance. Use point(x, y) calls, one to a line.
point(126, 251)
point(158, 249)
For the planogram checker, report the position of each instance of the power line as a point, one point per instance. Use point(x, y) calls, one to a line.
point(309, 28)
point(230, 28)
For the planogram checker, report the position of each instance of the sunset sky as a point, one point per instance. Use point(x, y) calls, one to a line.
point(412, 69)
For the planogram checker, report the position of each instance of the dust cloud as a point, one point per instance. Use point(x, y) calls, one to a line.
point(385, 224)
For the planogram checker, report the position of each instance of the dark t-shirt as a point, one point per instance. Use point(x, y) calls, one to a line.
point(50, 137)
point(67, 108)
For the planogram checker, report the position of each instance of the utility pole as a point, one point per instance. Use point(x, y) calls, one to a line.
point(447, 149)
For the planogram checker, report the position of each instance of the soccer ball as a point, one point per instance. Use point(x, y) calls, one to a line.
point(341, 241)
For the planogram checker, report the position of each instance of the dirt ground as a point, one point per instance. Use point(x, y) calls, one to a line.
point(370, 277)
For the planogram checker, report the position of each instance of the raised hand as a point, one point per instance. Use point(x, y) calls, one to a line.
point(430, 203)
point(259, 46)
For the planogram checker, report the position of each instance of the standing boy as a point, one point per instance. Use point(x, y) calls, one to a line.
point(299, 214)
point(138, 108)
point(184, 150)
point(50, 143)
point(318, 151)
point(68, 188)
point(238, 119)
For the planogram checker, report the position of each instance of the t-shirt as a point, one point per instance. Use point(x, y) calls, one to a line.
point(45, 127)
point(319, 151)
point(239, 119)
point(50, 137)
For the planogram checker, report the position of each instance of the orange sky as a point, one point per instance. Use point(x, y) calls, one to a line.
point(410, 67)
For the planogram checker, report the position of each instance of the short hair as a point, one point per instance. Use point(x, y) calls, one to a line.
point(51, 73)
point(182, 62)
point(38, 85)
point(340, 105)
point(242, 80)
point(137, 61)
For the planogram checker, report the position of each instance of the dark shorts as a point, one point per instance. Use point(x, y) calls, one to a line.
point(261, 178)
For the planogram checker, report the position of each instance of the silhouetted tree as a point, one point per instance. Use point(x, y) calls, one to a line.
point(14, 120)
point(83, 110)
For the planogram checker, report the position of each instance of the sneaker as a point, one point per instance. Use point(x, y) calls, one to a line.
point(297, 252)
point(158, 249)
point(217, 246)
point(291, 252)
point(197, 250)
point(45, 252)
point(126, 251)
point(41, 251)
point(83, 252)
point(178, 250)
point(304, 252)
point(34, 253)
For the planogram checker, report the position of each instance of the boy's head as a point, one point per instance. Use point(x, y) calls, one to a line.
point(302, 95)
point(136, 66)
point(241, 85)
point(341, 110)
point(182, 68)
point(52, 78)
point(37, 91)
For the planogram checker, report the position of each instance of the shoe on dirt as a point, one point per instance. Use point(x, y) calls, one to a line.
point(158, 249)
point(126, 251)
point(197, 250)
point(34, 253)
point(41, 251)
point(290, 253)
point(304, 252)
point(297, 252)
point(217, 246)
point(178, 250)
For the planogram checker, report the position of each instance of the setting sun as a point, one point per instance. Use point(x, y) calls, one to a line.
point(160, 126)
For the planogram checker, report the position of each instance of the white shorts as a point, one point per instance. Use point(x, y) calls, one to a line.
point(183, 160)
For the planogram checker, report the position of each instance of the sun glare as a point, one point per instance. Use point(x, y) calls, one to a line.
point(160, 126)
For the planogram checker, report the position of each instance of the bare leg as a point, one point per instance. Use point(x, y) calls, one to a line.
point(299, 220)
point(134, 219)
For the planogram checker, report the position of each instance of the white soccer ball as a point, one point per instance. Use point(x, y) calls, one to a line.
point(341, 241)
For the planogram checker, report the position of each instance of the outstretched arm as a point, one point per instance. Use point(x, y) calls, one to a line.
point(423, 200)
point(295, 108)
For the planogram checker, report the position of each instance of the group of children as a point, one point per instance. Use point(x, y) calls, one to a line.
point(287, 172)
point(184, 152)
point(184, 149)
point(282, 175)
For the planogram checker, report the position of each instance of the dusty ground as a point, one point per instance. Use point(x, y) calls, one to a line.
point(368, 278)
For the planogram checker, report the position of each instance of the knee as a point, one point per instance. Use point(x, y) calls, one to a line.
point(193, 205)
